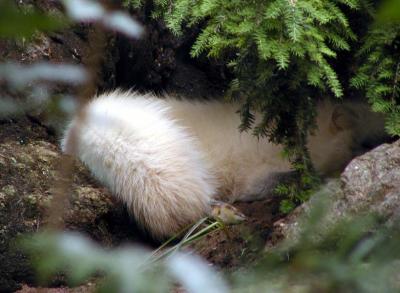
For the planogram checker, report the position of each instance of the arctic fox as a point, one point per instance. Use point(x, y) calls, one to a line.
point(167, 159)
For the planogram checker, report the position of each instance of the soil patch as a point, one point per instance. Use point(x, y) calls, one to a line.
point(29, 154)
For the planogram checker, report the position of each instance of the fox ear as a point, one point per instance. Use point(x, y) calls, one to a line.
point(342, 118)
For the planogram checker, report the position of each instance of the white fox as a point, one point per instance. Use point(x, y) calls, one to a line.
point(167, 159)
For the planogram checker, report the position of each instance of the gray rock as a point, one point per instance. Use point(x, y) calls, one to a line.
point(370, 183)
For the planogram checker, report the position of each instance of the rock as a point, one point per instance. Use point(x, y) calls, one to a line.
point(370, 183)
point(290, 227)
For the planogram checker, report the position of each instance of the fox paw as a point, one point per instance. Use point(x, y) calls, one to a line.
point(226, 213)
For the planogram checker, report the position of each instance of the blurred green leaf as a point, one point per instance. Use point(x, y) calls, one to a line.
point(389, 11)
point(17, 22)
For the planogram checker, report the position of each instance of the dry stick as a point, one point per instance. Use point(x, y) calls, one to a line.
point(93, 61)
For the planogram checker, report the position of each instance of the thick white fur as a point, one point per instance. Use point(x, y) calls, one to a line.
point(167, 158)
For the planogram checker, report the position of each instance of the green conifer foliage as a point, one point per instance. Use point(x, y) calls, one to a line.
point(379, 72)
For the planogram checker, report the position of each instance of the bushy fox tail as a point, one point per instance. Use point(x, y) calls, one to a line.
point(145, 158)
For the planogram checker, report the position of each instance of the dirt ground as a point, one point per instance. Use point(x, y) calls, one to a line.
point(238, 246)
point(28, 156)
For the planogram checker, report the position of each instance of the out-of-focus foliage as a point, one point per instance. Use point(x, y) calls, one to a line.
point(389, 11)
point(355, 254)
point(93, 11)
point(18, 76)
point(128, 269)
point(33, 80)
point(358, 254)
point(24, 22)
